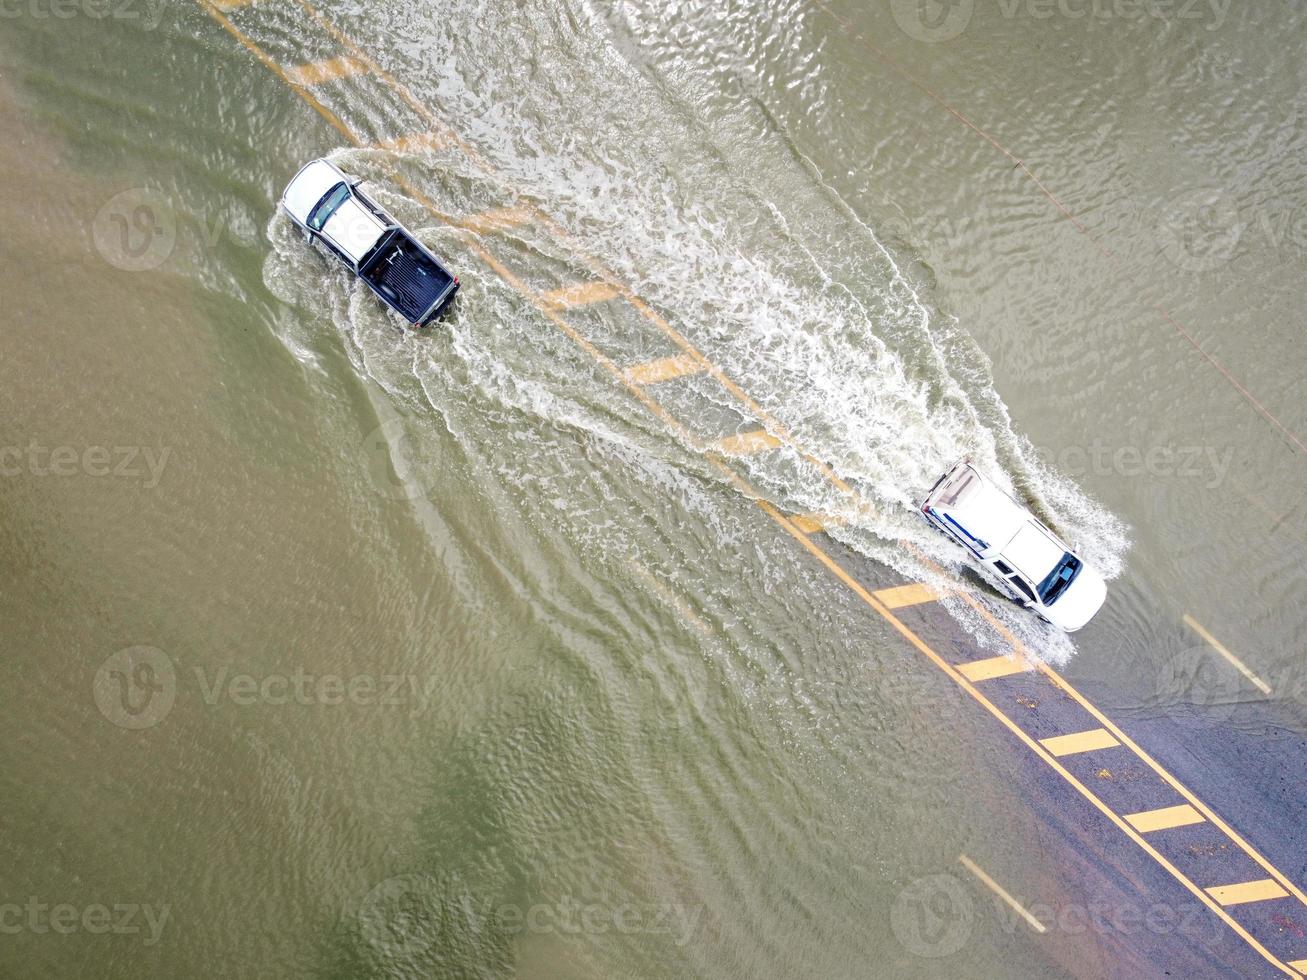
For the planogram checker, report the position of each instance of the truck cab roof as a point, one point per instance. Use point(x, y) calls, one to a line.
point(353, 228)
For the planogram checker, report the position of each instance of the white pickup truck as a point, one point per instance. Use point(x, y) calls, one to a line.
point(328, 205)
point(1022, 556)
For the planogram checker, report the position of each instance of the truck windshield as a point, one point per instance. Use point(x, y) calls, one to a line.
point(1062, 575)
point(325, 208)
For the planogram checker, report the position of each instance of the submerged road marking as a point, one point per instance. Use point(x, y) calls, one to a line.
point(583, 294)
point(326, 70)
point(1263, 890)
point(1216, 645)
point(906, 595)
point(409, 142)
point(992, 667)
point(807, 543)
point(1164, 818)
point(1001, 892)
point(815, 522)
point(1090, 741)
point(663, 369)
point(1299, 965)
point(748, 443)
point(496, 219)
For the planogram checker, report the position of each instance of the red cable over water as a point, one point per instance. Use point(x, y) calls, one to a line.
point(1166, 314)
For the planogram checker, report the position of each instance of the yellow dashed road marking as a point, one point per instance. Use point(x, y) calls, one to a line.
point(1095, 738)
point(1165, 818)
point(499, 219)
point(1248, 891)
point(586, 294)
point(998, 890)
point(906, 595)
point(1299, 965)
point(410, 142)
point(815, 522)
point(748, 443)
point(327, 70)
point(1216, 645)
point(663, 369)
point(227, 6)
point(983, 670)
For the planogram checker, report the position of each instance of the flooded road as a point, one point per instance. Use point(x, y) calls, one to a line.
point(336, 650)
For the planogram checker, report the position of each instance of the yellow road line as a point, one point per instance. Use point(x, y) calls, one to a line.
point(327, 70)
point(498, 219)
point(266, 60)
point(1165, 818)
point(672, 599)
point(409, 142)
point(983, 670)
point(583, 294)
point(1248, 891)
point(814, 523)
point(1090, 741)
point(906, 595)
point(1058, 681)
point(1299, 965)
point(663, 369)
point(748, 443)
point(1002, 893)
point(227, 6)
point(658, 411)
point(1216, 645)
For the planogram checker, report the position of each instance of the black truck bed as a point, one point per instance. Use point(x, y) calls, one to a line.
point(406, 276)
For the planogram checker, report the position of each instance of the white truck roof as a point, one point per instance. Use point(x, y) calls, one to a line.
point(1033, 552)
point(354, 228)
